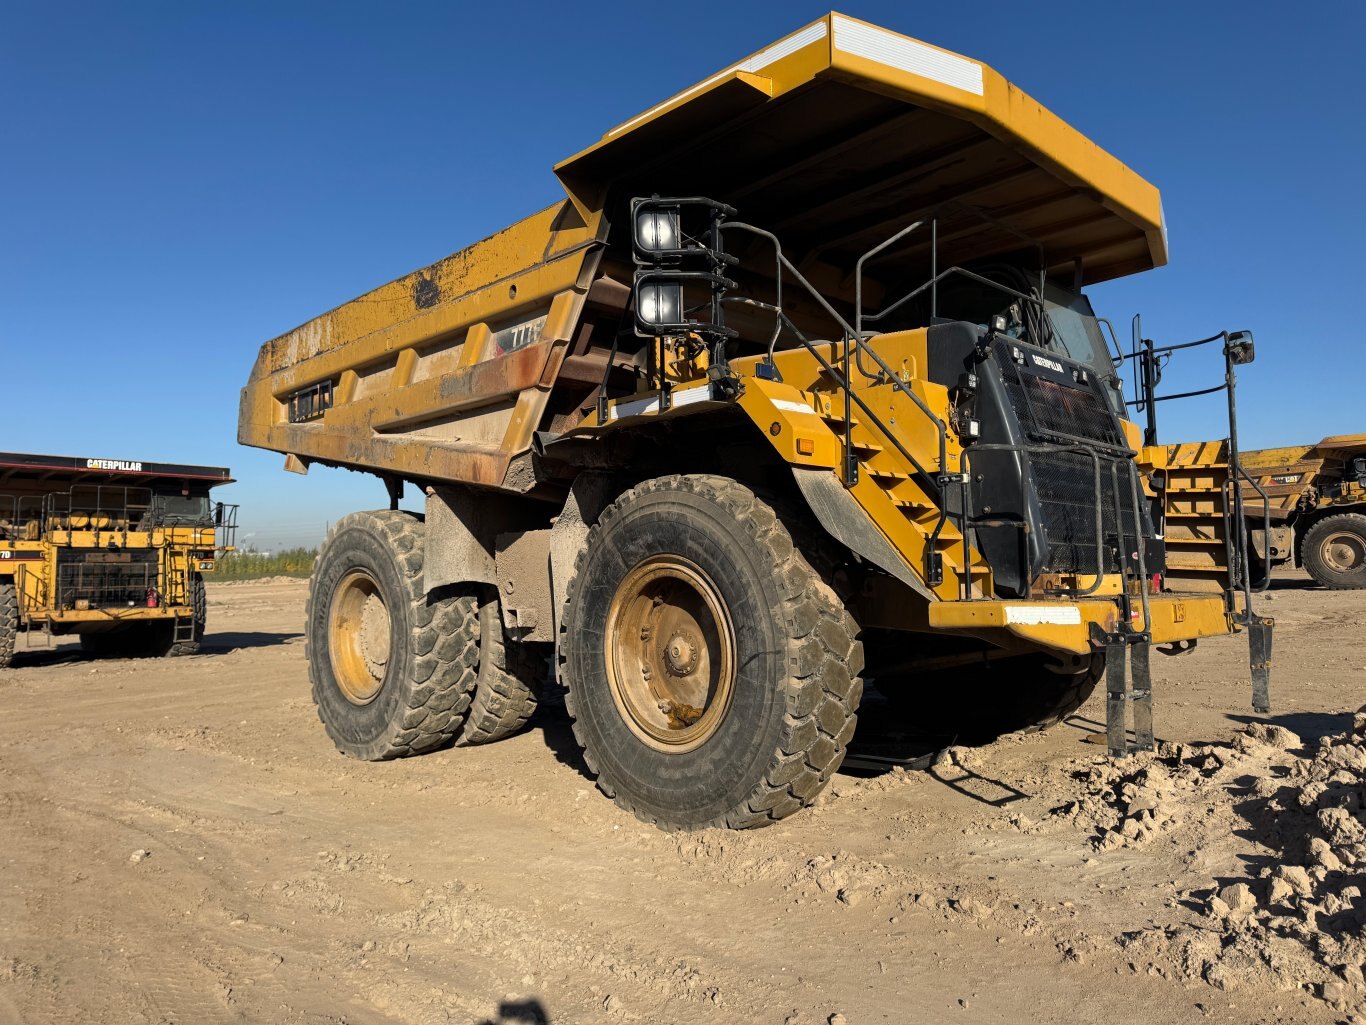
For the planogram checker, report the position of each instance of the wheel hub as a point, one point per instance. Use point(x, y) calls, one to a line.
point(1344, 551)
point(680, 655)
point(359, 638)
point(374, 634)
point(670, 654)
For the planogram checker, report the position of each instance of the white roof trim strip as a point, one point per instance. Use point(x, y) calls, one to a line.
point(750, 65)
point(908, 55)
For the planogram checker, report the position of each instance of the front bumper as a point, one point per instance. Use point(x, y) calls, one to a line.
point(1066, 625)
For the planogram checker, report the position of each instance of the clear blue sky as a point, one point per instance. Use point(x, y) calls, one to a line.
point(180, 182)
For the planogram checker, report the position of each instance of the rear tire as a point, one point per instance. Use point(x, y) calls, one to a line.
point(1011, 695)
point(9, 623)
point(712, 675)
point(1334, 551)
point(393, 669)
point(509, 687)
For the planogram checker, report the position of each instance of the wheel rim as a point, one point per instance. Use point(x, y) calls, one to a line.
point(1344, 551)
point(358, 632)
point(670, 651)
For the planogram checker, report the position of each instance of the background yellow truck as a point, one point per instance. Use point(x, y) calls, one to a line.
point(796, 390)
point(111, 549)
point(1317, 508)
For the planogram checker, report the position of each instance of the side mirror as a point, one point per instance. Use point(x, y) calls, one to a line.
point(1239, 349)
point(218, 515)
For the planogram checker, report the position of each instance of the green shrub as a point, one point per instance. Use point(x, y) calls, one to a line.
point(293, 562)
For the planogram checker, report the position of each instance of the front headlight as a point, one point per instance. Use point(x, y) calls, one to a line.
point(659, 303)
point(657, 229)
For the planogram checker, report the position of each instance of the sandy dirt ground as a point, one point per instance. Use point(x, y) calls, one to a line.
point(180, 843)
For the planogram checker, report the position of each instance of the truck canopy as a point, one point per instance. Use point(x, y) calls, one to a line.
point(841, 133)
point(21, 466)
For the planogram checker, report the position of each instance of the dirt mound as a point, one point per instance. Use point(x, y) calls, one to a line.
point(1294, 918)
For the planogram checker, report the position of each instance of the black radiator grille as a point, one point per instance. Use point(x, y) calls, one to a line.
point(105, 580)
point(1065, 419)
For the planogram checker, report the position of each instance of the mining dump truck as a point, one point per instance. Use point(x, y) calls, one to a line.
point(1317, 509)
point(796, 389)
point(113, 550)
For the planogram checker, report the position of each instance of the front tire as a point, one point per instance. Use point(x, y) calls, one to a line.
point(392, 668)
point(712, 675)
point(9, 623)
point(1334, 551)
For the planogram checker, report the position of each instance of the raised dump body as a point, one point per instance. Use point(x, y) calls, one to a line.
point(114, 550)
point(796, 389)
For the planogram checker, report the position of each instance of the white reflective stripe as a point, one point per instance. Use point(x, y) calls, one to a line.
point(759, 61)
point(633, 408)
point(793, 407)
point(1035, 615)
point(896, 51)
point(651, 405)
point(687, 398)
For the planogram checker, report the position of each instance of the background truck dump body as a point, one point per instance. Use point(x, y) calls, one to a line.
point(835, 136)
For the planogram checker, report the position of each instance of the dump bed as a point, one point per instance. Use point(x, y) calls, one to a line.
point(1286, 474)
point(833, 137)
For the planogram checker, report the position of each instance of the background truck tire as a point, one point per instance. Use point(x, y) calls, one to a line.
point(979, 703)
point(686, 575)
point(1334, 551)
point(9, 623)
point(393, 670)
point(509, 687)
point(198, 601)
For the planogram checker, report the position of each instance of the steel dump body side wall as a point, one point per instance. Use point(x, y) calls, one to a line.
point(1311, 466)
point(413, 359)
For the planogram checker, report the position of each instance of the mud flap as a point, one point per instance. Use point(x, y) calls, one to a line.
point(1259, 651)
point(1128, 681)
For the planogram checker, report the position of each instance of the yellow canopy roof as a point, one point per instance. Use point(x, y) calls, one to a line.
point(841, 133)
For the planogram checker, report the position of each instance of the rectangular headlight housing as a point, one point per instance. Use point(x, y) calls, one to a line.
point(657, 230)
point(659, 303)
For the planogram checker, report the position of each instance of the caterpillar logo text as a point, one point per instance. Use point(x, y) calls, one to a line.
point(113, 464)
point(1042, 361)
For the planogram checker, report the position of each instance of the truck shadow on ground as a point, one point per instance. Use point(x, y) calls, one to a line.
point(221, 643)
point(557, 731)
point(879, 747)
point(520, 1012)
point(69, 651)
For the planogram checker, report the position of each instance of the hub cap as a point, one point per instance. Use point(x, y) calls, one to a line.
point(358, 631)
point(670, 654)
point(1344, 551)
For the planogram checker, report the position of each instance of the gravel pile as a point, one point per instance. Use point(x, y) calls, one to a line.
point(1295, 918)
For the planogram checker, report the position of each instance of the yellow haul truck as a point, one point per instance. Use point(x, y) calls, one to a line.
point(796, 389)
point(111, 549)
point(1317, 515)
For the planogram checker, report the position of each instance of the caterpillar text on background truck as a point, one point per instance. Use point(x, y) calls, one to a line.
point(114, 550)
point(796, 390)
